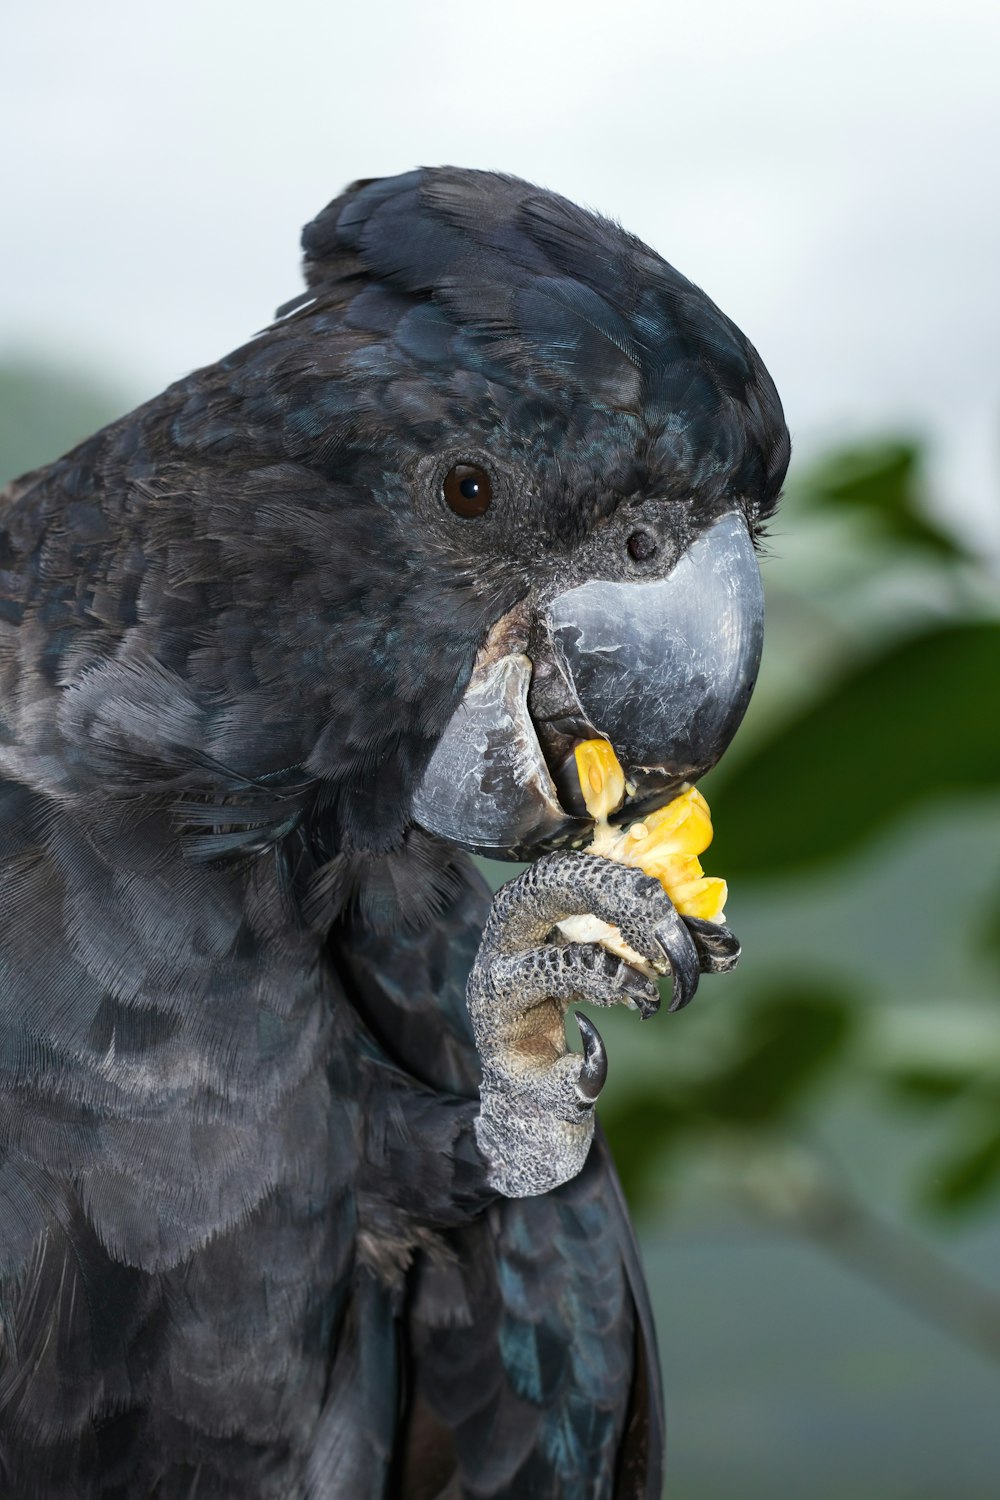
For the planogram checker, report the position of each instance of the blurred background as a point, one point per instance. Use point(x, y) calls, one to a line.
point(812, 1151)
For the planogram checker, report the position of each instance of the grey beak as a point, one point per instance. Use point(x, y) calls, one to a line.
point(663, 670)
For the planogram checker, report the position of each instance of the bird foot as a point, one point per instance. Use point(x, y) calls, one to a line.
point(536, 1118)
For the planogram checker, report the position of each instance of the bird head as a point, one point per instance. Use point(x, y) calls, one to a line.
point(490, 486)
point(572, 452)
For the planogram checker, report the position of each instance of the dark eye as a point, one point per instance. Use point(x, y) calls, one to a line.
point(468, 490)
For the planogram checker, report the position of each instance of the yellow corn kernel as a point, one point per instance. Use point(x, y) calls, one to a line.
point(602, 780)
point(665, 844)
point(704, 898)
point(684, 826)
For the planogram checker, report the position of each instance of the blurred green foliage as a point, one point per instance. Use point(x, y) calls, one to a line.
point(880, 483)
point(881, 709)
point(916, 723)
point(45, 412)
point(782, 1043)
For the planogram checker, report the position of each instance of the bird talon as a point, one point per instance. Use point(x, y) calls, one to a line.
point(647, 1005)
point(718, 948)
point(594, 1069)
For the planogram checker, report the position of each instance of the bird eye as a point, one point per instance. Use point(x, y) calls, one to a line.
point(468, 490)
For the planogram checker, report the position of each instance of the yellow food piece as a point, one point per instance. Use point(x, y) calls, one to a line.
point(602, 779)
point(666, 844)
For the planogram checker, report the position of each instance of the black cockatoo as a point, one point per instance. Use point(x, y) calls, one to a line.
point(280, 1214)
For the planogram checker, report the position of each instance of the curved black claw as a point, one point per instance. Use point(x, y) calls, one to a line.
point(594, 1072)
point(614, 979)
point(646, 1004)
point(718, 947)
point(682, 955)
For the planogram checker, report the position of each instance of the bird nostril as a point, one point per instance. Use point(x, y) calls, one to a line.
point(641, 546)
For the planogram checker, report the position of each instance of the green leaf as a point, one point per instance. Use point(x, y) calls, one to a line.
point(969, 1177)
point(788, 1041)
point(882, 480)
point(920, 722)
point(924, 1085)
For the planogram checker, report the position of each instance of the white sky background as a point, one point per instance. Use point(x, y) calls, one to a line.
point(828, 170)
